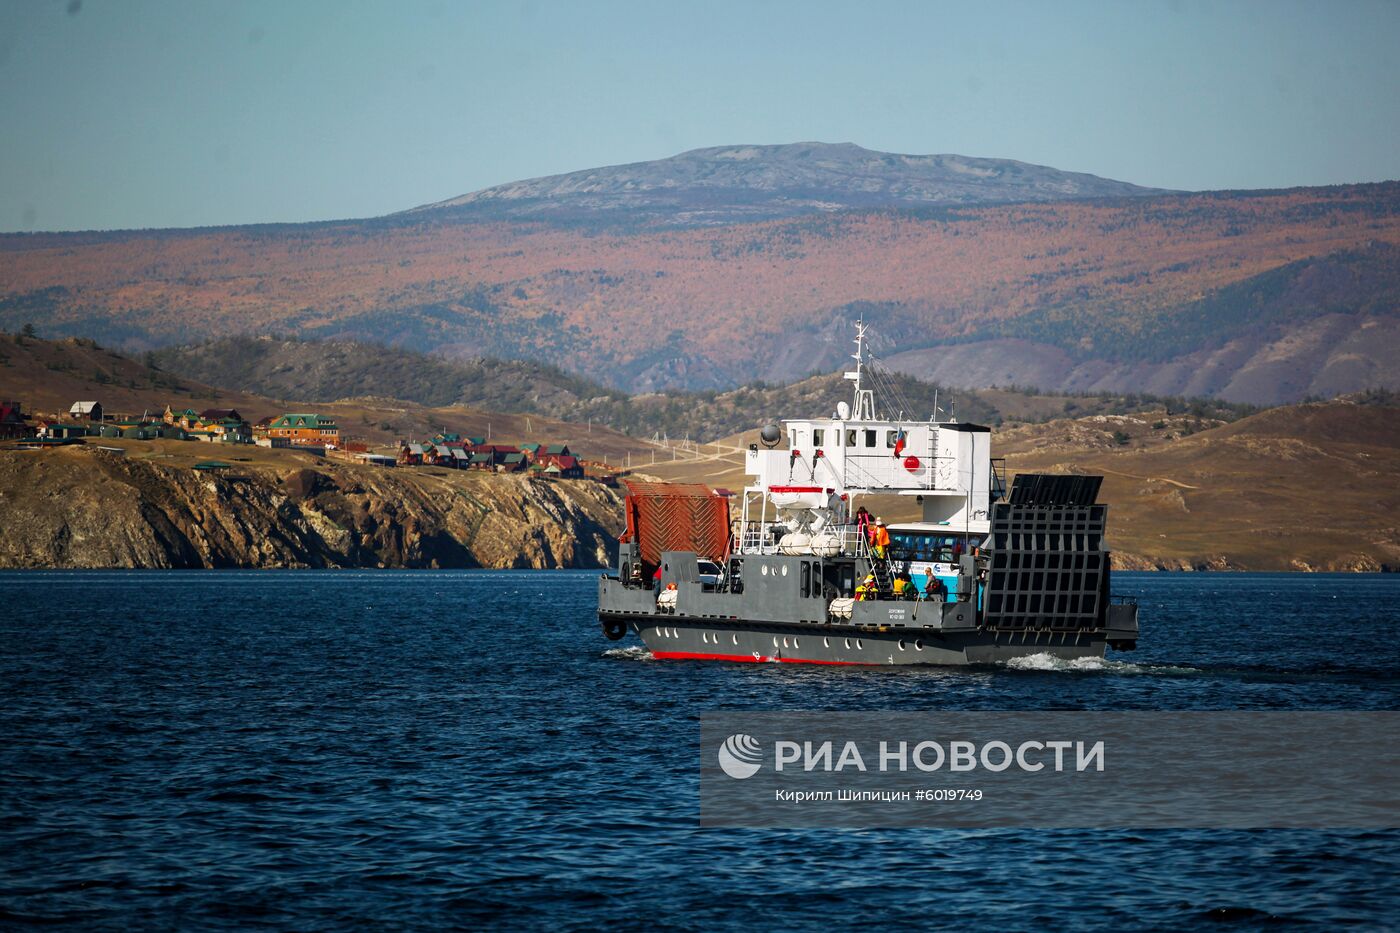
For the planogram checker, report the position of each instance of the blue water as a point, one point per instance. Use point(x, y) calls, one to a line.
point(410, 749)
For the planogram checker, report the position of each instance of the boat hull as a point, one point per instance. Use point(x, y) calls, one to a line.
point(670, 637)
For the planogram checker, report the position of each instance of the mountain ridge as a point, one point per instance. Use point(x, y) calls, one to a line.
point(1266, 296)
point(725, 184)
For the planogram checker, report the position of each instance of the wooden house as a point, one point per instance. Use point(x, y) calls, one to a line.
point(307, 430)
point(86, 411)
point(12, 423)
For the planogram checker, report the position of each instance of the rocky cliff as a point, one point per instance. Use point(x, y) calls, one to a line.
point(81, 507)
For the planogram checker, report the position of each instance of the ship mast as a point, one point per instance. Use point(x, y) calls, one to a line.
point(863, 402)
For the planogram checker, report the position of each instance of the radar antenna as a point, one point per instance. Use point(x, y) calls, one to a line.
point(863, 402)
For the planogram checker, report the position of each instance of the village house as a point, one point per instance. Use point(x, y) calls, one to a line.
point(557, 467)
point(305, 430)
point(184, 419)
point(566, 465)
point(88, 411)
point(58, 431)
point(225, 425)
point(502, 458)
point(12, 423)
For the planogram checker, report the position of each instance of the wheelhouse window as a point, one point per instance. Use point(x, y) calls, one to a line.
point(818, 437)
point(869, 437)
point(890, 439)
point(927, 546)
point(851, 437)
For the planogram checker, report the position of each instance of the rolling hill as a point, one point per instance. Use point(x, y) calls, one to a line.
point(730, 184)
point(326, 371)
point(1266, 297)
point(48, 376)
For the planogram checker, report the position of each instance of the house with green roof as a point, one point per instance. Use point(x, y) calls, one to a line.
point(305, 429)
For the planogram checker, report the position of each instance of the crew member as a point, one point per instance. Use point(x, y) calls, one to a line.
point(881, 543)
point(866, 589)
point(934, 588)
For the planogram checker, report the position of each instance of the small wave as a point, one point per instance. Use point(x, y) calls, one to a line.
point(1044, 661)
point(630, 653)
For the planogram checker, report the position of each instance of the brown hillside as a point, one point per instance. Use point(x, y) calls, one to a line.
point(47, 377)
point(1107, 281)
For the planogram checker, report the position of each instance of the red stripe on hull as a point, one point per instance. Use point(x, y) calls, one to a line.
point(700, 656)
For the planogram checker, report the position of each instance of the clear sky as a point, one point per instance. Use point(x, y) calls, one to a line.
point(137, 113)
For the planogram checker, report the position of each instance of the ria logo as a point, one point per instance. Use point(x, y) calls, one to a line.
point(741, 756)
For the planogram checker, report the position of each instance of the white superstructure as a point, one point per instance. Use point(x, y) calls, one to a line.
point(809, 485)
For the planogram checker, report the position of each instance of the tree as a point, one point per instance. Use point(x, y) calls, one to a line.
point(27, 331)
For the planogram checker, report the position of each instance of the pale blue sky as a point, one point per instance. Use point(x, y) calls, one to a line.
point(135, 113)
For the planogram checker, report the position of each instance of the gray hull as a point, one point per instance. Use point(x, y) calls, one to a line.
point(673, 638)
point(764, 624)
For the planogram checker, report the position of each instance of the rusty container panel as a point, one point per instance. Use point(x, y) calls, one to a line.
point(676, 517)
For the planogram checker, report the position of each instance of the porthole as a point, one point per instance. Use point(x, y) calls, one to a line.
point(848, 644)
point(736, 638)
point(775, 641)
point(826, 642)
point(785, 569)
point(796, 643)
point(919, 645)
point(785, 643)
point(765, 570)
point(859, 645)
point(901, 644)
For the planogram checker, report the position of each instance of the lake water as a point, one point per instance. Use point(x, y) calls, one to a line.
point(404, 749)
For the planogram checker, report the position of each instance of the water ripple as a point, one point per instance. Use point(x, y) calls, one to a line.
point(337, 750)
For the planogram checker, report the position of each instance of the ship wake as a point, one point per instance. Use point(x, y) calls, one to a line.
point(1045, 661)
point(629, 653)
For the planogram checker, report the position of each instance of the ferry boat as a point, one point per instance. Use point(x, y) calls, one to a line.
point(799, 576)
